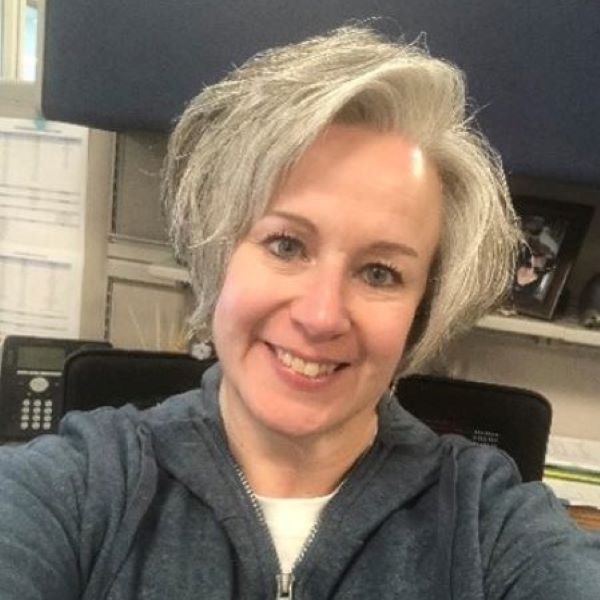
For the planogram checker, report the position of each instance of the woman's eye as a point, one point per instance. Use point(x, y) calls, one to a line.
point(284, 246)
point(378, 275)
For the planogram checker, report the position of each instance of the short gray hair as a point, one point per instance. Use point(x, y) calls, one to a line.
point(238, 137)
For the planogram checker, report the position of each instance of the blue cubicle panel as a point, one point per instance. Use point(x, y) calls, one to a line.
point(533, 66)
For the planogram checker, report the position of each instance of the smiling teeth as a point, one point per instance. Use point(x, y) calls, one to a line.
point(306, 368)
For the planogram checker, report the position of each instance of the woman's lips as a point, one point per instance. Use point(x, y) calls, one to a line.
point(317, 369)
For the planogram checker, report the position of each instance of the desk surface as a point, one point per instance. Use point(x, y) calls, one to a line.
point(585, 516)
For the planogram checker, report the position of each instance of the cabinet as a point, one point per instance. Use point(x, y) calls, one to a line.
point(129, 300)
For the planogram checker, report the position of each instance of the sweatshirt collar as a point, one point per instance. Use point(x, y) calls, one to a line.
point(190, 443)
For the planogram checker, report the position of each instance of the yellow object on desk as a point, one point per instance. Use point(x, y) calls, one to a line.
point(573, 472)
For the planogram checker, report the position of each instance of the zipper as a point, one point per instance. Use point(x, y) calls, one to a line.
point(284, 582)
point(285, 586)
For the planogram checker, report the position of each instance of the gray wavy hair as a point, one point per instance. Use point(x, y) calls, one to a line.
point(238, 137)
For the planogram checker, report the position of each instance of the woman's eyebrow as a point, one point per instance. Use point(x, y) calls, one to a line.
point(301, 221)
point(378, 247)
point(386, 247)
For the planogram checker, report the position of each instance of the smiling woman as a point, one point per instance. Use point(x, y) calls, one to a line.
point(263, 116)
point(350, 233)
point(341, 220)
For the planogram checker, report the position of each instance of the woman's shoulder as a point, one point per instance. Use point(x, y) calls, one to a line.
point(79, 493)
point(523, 532)
point(488, 477)
point(104, 448)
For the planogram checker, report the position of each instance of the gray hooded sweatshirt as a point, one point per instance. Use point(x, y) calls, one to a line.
point(125, 505)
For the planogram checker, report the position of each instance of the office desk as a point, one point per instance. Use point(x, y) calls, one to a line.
point(585, 516)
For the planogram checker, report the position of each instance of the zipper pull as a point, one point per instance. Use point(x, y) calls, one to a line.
point(285, 585)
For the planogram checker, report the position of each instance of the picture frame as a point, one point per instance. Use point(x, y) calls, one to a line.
point(554, 232)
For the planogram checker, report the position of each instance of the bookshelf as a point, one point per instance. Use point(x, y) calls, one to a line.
point(565, 330)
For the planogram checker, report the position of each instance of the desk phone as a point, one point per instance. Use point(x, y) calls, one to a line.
point(30, 384)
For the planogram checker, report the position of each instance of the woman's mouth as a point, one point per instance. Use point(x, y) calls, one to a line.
point(310, 369)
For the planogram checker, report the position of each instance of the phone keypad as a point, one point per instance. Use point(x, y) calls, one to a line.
point(36, 414)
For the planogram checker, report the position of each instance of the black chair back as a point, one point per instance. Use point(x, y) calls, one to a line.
point(99, 377)
point(514, 419)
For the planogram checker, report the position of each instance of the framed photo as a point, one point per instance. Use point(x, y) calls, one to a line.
point(554, 232)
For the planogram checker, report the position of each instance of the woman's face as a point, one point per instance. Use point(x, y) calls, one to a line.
point(319, 298)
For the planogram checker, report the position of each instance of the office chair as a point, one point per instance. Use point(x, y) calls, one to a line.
point(516, 420)
point(92, 379)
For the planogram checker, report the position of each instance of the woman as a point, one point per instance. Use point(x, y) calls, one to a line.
point(341, 222)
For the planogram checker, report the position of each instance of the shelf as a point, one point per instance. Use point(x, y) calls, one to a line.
point(170, 271)
point(566, 330)
point(155, 274)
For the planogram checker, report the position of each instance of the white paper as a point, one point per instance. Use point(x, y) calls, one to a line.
point(578, 494)
point(573, 452)
point(43, 170)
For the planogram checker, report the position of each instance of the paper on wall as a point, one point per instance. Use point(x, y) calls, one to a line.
point(43, 173)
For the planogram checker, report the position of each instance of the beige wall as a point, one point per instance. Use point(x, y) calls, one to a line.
point(567, 375)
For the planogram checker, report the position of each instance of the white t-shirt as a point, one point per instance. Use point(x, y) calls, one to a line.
point(290, 521)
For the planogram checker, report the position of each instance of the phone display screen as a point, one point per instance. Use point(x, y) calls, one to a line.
point(41, 358)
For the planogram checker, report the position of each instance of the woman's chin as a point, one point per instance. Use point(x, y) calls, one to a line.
point(293, 422)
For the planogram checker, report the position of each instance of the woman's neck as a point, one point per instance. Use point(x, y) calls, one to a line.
point(278, 465)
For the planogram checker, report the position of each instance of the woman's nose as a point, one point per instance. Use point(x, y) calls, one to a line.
point(320, 306)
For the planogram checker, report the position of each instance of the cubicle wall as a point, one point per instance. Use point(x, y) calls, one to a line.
point(532, 65)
